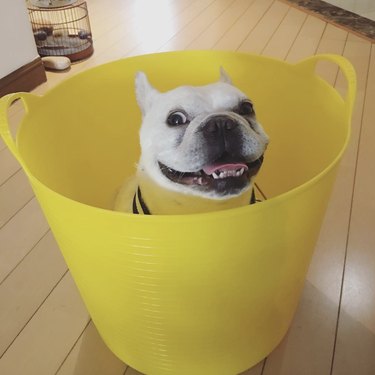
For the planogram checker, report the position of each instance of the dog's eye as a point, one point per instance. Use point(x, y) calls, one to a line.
point(177, 118)
point(246, 108)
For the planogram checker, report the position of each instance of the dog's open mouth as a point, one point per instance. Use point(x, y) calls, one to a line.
point(224, 177)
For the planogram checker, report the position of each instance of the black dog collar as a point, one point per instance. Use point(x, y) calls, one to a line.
point(140, 207)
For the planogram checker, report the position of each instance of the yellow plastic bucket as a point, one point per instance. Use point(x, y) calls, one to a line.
point(209, 293)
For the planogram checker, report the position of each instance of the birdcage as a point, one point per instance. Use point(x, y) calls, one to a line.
point(62, 30)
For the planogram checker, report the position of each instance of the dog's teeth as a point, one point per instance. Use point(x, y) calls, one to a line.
point(230, 173)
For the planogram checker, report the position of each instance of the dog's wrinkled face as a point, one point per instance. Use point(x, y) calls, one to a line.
point(202, 140)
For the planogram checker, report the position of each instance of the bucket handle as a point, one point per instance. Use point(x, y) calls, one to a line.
point(346, 67)
point(6, 101)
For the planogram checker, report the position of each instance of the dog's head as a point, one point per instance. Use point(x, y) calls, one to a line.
point(202, 141)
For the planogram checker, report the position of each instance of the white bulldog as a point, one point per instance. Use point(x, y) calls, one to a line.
point(201, 148)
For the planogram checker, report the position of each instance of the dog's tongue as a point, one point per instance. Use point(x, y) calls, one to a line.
point(211, 168)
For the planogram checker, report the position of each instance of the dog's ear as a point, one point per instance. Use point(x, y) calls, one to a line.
point(144, 91)
point(224, 77)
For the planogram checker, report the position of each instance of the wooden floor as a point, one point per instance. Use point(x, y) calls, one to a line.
point(44, 326)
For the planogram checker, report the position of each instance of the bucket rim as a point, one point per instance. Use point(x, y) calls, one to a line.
point(276, 200)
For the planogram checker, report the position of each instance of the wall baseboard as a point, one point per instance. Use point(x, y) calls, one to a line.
point(25, 78)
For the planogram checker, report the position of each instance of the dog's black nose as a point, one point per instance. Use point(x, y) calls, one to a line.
point(222, 136)
point(219, 124)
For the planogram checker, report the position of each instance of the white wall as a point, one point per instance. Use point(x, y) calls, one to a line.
point(17, 45)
